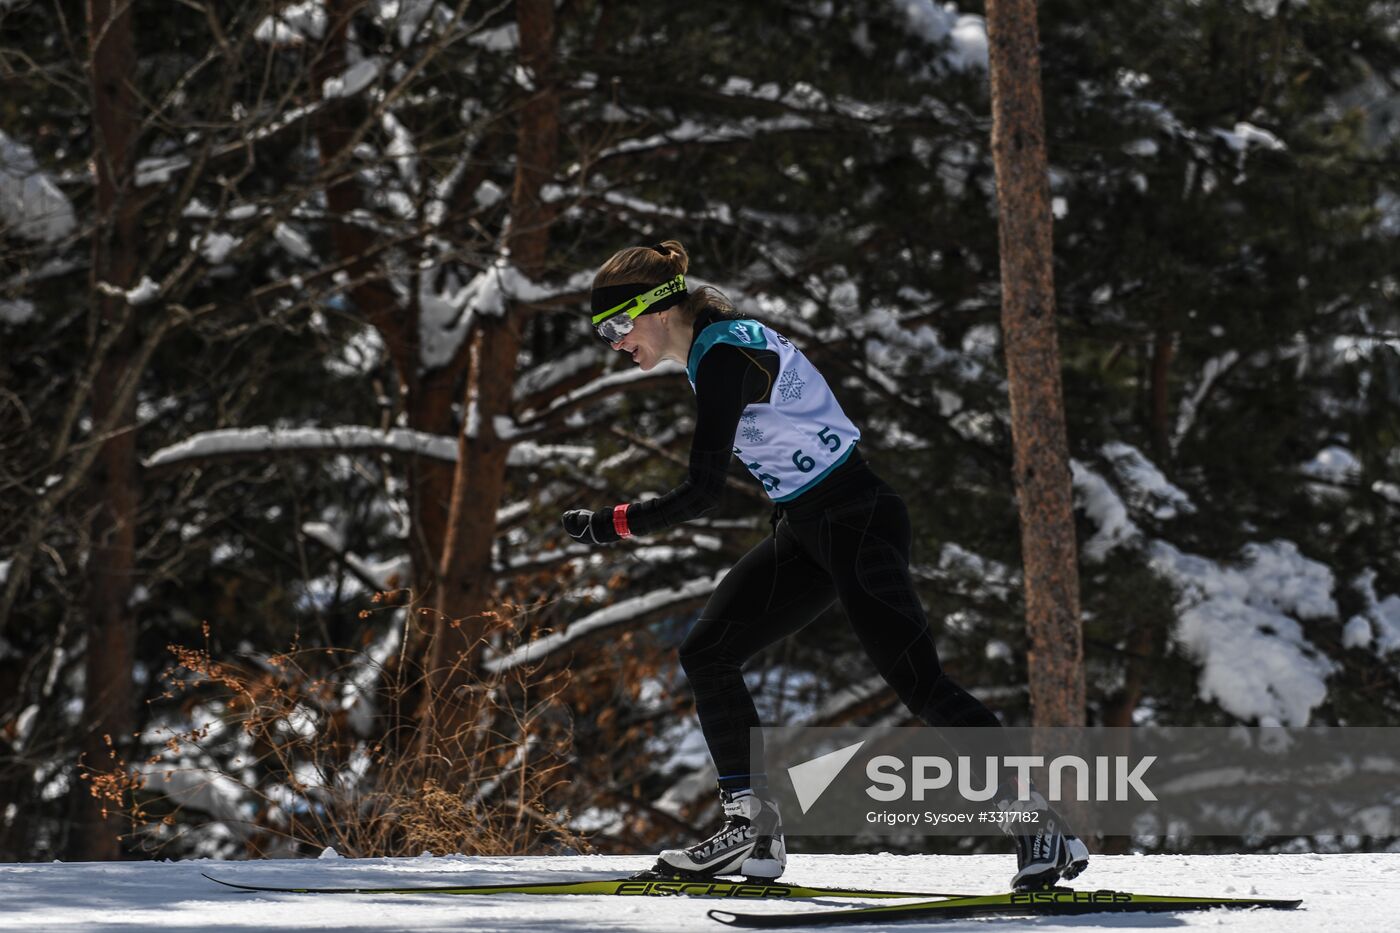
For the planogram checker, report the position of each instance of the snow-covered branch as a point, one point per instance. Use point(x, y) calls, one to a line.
point(1190, 407)
point(627, 611)
point(243, 442)
point(597, 389)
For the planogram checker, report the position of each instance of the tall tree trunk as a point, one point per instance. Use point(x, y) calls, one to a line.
point(429, 408)
point(1043, 488)
point(427, 394)
point(108, 707)
point(465, 575)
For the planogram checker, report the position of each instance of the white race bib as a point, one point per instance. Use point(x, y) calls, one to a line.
point(792, 441)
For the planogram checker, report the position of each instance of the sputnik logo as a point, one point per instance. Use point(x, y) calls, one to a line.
point(811, 778)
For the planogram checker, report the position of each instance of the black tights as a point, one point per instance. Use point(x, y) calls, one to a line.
point(852, 545)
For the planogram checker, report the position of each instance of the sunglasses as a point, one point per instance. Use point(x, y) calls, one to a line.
point(615, 323)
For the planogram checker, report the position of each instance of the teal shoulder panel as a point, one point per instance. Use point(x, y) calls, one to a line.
point(740, 333)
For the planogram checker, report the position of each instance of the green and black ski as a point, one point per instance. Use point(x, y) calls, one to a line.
point(643, 884)
point(1055, 902)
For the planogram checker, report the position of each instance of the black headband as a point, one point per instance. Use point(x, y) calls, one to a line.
point(610, 296)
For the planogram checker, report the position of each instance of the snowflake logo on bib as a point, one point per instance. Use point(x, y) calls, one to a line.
point(750, 429)
point(790, 386)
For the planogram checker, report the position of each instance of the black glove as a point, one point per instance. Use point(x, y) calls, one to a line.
point(590, 527)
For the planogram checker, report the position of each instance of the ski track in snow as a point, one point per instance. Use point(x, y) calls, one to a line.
point(1351, 893)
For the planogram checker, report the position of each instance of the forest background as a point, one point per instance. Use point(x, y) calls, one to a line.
point(296, 382)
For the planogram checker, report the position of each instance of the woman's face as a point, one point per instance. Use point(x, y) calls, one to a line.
point(648, 341)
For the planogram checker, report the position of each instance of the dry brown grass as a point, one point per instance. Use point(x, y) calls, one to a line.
point(306, 769)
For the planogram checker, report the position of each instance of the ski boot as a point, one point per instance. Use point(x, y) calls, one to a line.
point(750, 843)
point(1046, 852)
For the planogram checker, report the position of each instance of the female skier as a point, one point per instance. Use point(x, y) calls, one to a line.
point(839, 532)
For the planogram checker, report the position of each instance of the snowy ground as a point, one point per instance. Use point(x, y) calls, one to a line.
point(1351, 893)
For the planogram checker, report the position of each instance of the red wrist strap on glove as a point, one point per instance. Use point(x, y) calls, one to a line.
point(620, 521)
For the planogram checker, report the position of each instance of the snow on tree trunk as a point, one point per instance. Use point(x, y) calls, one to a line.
point(1042, 474)
point(427, 394)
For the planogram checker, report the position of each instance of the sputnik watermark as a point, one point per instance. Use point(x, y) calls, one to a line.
point(1148, 781)
point(1115, 777)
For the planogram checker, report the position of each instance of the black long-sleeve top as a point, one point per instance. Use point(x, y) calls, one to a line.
point(728, 379)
